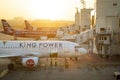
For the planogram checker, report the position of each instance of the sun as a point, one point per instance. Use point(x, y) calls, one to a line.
point(46, 9)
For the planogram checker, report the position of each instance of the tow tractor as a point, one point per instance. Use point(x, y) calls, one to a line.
point(116, 76)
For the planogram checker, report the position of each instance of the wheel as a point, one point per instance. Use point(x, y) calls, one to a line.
point(66, 65)
point(76, 58)
point(70, 58)
point(11, 66)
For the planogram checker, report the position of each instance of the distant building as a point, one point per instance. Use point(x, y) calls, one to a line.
point(83, 19)
point(18, 19)
point(77, 20)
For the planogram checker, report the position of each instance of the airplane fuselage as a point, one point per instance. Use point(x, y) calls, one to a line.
point(34, 33)
point(39, 48)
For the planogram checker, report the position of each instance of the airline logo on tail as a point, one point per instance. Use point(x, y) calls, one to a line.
point(28, 26)
point(7, 28)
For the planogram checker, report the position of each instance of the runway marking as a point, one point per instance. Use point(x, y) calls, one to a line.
point(4, 72)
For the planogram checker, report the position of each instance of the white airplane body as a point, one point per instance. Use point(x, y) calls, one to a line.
point(30, 51)
point(37, 47)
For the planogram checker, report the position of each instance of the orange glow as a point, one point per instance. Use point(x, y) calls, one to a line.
point(47, 9)
point(41, 9)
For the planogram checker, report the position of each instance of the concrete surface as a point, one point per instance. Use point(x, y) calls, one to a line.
point(89, 67)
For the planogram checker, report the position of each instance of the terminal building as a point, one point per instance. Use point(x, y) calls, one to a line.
point(100, 27)
point(107, 23)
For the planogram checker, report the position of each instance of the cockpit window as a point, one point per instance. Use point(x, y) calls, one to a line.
point(77, 46)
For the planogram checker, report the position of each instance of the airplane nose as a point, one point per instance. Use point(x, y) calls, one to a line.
point(83, 51)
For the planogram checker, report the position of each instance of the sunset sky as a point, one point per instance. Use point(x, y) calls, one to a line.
point(41, 9)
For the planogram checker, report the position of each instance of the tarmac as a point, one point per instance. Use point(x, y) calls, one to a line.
point(88, 67)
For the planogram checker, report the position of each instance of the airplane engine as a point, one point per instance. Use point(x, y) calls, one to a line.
point(30, 62)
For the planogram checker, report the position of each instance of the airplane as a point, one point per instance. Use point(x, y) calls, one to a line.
point(25, 33)
point(46, 29)
point(28, 53)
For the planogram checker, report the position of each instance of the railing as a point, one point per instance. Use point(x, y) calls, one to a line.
point(103, 42)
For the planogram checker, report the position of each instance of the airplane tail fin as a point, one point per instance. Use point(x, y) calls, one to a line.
point(7, 28)
point(28, 26)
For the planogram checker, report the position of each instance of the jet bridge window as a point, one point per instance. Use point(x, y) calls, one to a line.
point(103, 38)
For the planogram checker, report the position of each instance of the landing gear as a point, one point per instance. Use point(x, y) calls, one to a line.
point(56, 62)
point(70, 58)
point(76, 58)
point(11, 66)
point(66, 64)
point(53, 62)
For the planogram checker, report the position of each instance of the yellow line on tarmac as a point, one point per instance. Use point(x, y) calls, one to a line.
point(4, 72)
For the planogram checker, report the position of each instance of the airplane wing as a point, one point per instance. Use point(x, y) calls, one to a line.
point(6, 56)
point(3, 55)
